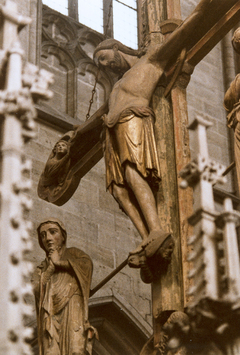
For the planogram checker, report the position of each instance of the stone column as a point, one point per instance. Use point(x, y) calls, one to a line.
point(22, 85)
point(215, 267)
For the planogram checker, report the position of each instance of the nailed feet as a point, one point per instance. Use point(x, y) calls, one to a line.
point(154, 251)
point(156, 241)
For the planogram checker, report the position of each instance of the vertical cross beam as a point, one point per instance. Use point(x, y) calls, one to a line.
point(174, 153)
point(182, 147)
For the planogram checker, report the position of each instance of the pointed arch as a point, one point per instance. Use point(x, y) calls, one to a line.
point(60, 62)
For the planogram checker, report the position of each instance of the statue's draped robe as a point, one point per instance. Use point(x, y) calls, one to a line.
point(232, 105)
point(62, 305)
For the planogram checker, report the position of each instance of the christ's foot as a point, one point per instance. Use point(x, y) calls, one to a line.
point(157, 241)
point(163, 245)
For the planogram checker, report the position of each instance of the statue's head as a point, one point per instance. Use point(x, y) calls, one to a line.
point(112, 43)
point(109, 54)
point(60, 149)
point(51, 234)
point(236, 40)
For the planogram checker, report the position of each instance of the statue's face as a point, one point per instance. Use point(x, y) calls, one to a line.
point(61, 148)
point(112, 59)
point(51, 236)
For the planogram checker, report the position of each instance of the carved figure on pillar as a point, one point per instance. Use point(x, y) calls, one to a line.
point(232, 105)
point(61, 286)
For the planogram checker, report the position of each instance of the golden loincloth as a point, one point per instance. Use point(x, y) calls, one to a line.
point(132, 139)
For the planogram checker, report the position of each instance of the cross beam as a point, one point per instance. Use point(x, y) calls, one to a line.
point(214, 28)
point(214, 35)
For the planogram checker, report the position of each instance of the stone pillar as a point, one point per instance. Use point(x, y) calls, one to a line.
point(12, 332)
point(73, 9)
point(215, 267)
point(21, 84)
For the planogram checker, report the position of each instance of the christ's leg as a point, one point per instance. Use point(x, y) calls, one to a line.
point(145, 198)
point(125, 200)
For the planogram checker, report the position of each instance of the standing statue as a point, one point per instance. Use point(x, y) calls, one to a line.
point(132, 164)
point(232, 105)
point(61, 286)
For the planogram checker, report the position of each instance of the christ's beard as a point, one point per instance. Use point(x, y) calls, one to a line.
point(118, 65)
point(117, 59)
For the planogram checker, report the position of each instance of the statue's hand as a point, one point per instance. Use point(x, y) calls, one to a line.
point(46, 276)
point(54, 257)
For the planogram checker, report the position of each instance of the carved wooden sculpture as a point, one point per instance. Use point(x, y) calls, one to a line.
point(61, 286)
point(204, 35)
point(132, 167)
point(84, 150)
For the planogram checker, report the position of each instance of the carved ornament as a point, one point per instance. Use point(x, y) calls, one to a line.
point(202, 168)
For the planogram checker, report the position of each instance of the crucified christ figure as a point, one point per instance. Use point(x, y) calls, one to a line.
point(132, 167)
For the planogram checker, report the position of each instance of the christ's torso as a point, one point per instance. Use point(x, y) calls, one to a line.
point(135, 88)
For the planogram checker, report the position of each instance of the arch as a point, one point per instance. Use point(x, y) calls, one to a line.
point(87, 35)
point(106, 80)
point(64, 86)
point(67, 32)
point(65, 58)
point(72, 45)
point(121, 329)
